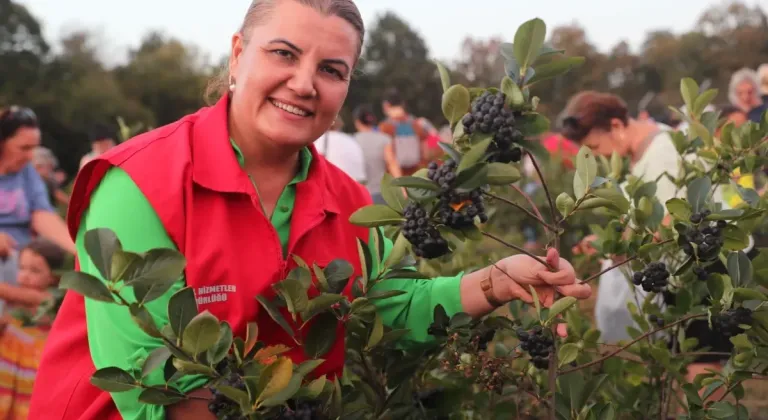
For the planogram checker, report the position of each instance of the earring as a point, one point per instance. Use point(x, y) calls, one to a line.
point(231, 84)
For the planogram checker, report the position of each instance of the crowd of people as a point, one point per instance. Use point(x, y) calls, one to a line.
point(34, 238)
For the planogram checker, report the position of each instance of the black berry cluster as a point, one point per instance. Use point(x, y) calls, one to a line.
point(707, 236)
point(537, 344)
point(728, 322)
point(221, 406)
point(455, 210)
point(421, 232)
point(653, 279)
point(701, 273)
point(301, 410)
point(489, 116)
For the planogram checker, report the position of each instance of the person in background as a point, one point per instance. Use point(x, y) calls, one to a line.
point(756, 114)
point(743, 90)
point(373, 143)
point(21, 346)
point(409, 149)
point(342, 150)
point(102, 139)
point(732, 114)
point(46, 164)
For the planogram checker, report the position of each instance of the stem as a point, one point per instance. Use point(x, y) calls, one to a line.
point(553, 213)
point(374, 378)
point(617, 265)
point(529, 199)
point(631, 343)
point(120, 298)
point(528, 212)
point(517, 248)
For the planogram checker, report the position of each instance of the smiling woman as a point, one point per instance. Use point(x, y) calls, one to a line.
point(239, 189)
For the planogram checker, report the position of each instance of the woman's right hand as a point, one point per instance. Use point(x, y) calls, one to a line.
point(7, 244)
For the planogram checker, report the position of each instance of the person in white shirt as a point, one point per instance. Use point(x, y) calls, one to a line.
point(343, 151)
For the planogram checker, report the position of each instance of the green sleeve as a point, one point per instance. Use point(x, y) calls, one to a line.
point(113, 337)
point(414, 310)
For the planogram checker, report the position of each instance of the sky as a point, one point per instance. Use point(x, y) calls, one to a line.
point(442, 23)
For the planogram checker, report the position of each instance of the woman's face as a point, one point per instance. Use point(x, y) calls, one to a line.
point(19, 149)
point(34, 272)
point(292, 74)
point(745, 92)
point(605, 142)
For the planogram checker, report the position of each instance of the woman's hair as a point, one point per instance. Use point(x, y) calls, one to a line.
point(742, 75)
point(588, 110)
point(365, 115)
point(261, 10)
point(51, 253)
point(728, 110)
point(13, 118)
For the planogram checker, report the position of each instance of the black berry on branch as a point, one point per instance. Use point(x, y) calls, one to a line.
point(301, 410)
point(455, 209)
point(701, 273)
point(653, 279)
point(728, 322)
point(656, 320)
point(489, 116)
point(707, 236)
point(538, 344)
point(421, 232)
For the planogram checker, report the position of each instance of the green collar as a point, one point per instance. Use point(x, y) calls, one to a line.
point(305, 160)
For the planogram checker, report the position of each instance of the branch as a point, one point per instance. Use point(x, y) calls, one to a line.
point(552, 208)
point(528, 212)
point(529, 200)
point(631, 343)
point(617, 265)
point(517, 248)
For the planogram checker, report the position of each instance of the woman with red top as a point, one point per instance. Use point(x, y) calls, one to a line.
point(238, 188)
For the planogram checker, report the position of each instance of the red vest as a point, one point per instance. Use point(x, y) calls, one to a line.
point(191, 177)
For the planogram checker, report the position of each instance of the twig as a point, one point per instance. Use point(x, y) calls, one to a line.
point(528, 212)
point(517, 248)
point(631, 343)
point(617, 265)
point(529, 200)
point(552, 208)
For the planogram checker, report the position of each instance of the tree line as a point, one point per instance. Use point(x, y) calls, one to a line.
point(72, 89)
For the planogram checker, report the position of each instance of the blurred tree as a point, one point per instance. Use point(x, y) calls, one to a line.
point(22, 51)
point(480, 62)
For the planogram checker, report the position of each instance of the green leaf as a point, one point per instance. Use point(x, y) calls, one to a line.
point(586, 172)
point(501, 174)
point(740, 269)
point(716, 287)
point(536, 301)
point(698, 190)
point(160, 396)
point(445, 76)
point(741, 342)
point(87, 285)
point(533, 124)
point(679, 209)
point(338, 272)
point(275, 378)
point(734, 239)
point(398, 252)
point(219, 351)
point(742, 294)
point(113, 379)
point(555, 68)
point(560, 306)
point(321, 303)
point(393, 195)
point(285, 394)
point(747, 194)
point(101, 244)
point(617, 199)
point(565, 204)
point(697, 129)
point(385, 294)
point(703, 100)
point(376, 333)
point(295, 295)
point(455, 103)
point(515, 98)
point(460, 320)
point(689, 90)
point(722, 410)
point(124, 263)
point(159, 265)
point(376, 215)
point(201, 334)
point(567, 353)
point(474, 155)
point(450, 151)
point(192, 368)
point(182, 307)
point(156, 359)
point(472, 178)
point(529, 39)
point(275, 314)
point(143, 319)
point(415, 182)
point(321, 336)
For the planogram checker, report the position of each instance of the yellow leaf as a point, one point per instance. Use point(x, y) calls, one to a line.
point(280, 376)
point(251, 336)
point(270, 351)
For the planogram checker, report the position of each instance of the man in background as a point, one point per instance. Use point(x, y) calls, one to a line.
point(373, 143)
point(102, 139)
point(409, 149)
point(342, 150)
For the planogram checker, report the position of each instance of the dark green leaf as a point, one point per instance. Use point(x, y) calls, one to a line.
point(101, 244)
point(459, 320)
point(182, 307)
point(453, 153)
point(113, 379)
point(124, 264)
point(722, 410)
point(376, 215)
point(393, 195)
point(533, 124)
point(338, 273)
point(201, 334)
point(698, 190)
point(321, 336)
point(157, 358)
point(142, 317)
point(445, 76)
point(295, 295)
point(87, 285)
point(160, 396)
point(555, 68)
point(740, 269)
point(219, 351)
point(502, 174)
point(515, 98)
point(440, 317)
point(586, 171)
point(192, 368)
point(377, 332)
point(474, 155)
point(275, 314)
point(159, 266)
point(415, 182)
point(529, 39)
point(472, 178)
point(716, 287)
point(455, 103)
point(320, 304)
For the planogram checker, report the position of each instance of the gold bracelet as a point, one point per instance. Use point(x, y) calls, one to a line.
point(487, 286)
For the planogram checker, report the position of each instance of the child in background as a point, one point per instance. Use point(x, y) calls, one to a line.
point(21, 346)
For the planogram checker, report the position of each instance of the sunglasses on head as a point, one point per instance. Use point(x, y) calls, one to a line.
point(14, 117)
